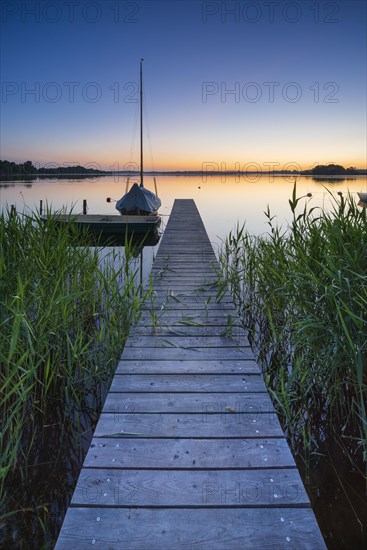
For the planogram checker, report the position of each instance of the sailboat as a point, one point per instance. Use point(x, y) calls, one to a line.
point(138, 207)
point(139, 201)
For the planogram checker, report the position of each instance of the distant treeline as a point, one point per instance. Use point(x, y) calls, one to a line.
point(9, 169)
point(319, 170)
point(27, 168)
point(332, 170)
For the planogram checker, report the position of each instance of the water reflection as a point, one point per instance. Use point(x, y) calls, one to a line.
point(222, 202)
point(329, 181)
point(138, 241)
point(8, 184)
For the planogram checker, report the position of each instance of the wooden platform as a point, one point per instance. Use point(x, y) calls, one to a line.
point(188, 452)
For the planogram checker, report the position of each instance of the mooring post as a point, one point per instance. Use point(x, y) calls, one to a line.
point(84, 206)
point(41, 207)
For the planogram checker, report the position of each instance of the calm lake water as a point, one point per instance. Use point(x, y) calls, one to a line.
point(222, 200)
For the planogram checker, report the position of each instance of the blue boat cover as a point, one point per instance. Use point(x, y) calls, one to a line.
point(138, 198)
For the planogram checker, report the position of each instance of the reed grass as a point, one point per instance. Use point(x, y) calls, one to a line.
point(64, 316)
point(302, 292)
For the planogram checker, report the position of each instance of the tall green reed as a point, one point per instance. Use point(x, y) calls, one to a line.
point(302, 291)
point(64, 315)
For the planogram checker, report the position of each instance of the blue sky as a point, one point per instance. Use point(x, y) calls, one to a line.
point(81, 58)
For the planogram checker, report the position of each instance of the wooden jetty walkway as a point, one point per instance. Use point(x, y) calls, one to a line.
point(188, 452)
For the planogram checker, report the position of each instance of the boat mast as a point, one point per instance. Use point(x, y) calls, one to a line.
point(141, 122)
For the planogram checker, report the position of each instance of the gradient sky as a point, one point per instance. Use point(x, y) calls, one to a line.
point(195, 54)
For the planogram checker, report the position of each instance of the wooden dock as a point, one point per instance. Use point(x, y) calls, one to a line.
point(188, 452)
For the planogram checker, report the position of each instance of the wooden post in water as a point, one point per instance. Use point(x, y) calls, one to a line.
point(41, 207)
point(84, 206)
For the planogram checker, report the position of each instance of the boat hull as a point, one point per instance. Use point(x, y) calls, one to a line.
point(110, 225)
point(103, 230)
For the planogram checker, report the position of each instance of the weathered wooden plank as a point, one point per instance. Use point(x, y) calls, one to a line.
point(207, 424)
point(236, 403)
point(182, 330)
point(180, 264)
point(182, 260)
point(195, 314)
point(187, 256)
point(185, 236)
point(179, 341)
point(186, 247)
point(175, 269)
point(192, 312)
point(195, 308)
point(197, 488)
point(185, 287)
point(192, 281)
point(181, 251)
point(221, 383)
point(195, 293)
point(176, 274)
point(209, 274)
point(182, 273)
point(197, 353)
point(186, 529)
point(187, 367)
point(170, 305)
point(192, 296)
point(188, 319)
point(175, 243)
point(184, 283)
point(189, 453)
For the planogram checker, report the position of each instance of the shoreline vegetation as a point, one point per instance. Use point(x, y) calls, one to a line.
point(27, 169)
point(302, 293)
point(65, 312)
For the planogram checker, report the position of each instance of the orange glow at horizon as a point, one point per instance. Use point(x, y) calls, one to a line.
point(205, 163)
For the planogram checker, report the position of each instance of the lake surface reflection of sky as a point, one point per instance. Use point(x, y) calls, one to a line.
point(222, 201)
